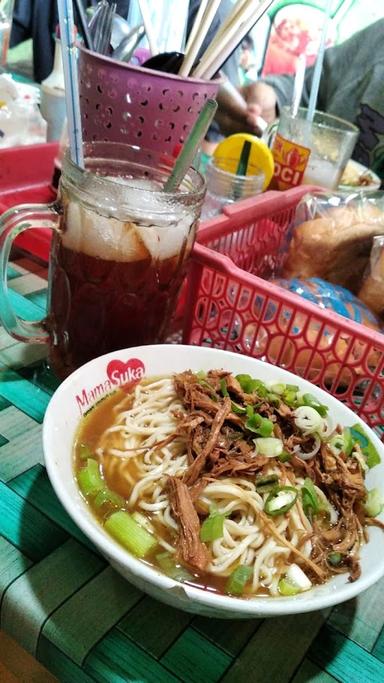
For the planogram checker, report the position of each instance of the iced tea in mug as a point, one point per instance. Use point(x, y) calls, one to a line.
point(118, 254)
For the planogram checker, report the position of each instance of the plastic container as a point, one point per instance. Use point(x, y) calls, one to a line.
point(25, 177)
point(135, 105)
point(230, 306)
point(226, 188)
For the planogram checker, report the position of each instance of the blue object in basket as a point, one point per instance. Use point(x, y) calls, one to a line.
point(332, 297)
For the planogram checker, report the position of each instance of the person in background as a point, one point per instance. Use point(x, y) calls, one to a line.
point(352, 87)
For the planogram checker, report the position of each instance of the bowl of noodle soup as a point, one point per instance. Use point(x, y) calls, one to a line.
point(201, 476)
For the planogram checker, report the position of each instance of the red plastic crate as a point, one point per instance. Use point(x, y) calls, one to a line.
point(230, 306)
point(25, 178)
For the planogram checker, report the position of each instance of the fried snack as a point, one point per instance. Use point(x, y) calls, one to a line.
point(336, 246)
point(372, 290)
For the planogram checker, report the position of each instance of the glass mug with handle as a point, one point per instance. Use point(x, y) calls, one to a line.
point(309, 152)
point(118, 254)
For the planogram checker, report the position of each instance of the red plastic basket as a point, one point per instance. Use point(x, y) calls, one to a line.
point(25, 178)
point(230, 306)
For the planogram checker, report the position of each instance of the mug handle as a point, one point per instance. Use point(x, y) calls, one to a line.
point(12, 223)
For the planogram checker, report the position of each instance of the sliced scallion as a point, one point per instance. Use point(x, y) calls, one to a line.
point(108, 497)
point(371, 455)
point(374, 503)
point(308, 420)
point(168, 565)
point(294, 581)
point(280, 500)
point(312, 402)
point(266, 483)
point(89, 478)
point(212, 528)
point(223, 387)
point(334, 558)
point(238, 579)
point(310, 500)
point(258, 424)
point(271, 447)
point(130, 534)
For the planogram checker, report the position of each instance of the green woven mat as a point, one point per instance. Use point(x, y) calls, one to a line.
point(66, 606)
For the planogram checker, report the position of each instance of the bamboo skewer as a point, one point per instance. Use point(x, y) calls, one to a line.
point(243, 21)
point(201, 32)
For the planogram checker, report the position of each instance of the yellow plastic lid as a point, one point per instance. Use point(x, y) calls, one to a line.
point(227, 155)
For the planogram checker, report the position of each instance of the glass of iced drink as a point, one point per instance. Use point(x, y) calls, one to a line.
point(118, 253)
point(311, 153)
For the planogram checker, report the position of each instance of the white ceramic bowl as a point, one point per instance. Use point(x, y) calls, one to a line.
point(99, 377)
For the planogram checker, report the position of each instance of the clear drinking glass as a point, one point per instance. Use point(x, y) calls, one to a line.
point(6, 12)
point(118, 253)
point(311, 153)
point(224, 187)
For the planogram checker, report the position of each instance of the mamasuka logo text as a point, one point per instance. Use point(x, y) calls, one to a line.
point(118, 374)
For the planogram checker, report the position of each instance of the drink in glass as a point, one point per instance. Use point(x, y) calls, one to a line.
point(118, 253)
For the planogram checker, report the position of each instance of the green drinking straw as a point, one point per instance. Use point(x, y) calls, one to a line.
point(242, 168)
point(191, 146)
point(244, 159)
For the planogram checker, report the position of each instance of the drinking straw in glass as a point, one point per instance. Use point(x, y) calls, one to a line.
point(191, 146)
point(69, 51)
point(319, 64)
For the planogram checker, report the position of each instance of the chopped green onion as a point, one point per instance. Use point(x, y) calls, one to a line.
point(238, 410)
point(334, 559)
point(348, 441)
point(336, 444)
point(201, 374)
point(277, 388)
point(212, 528)
point(292, 387)
point(85, 452)
point(287, 588)
point(269, 446)
point(251, 386)
point(308, 419)
point(312, 402)
point(266, 483)
point(204, 383)
point(274, 399)
point(89, 478)
point(223, 387)
point(371, 455)
point(285, 456)
point(374, 503)
point(130, 534)
point(280, 500)
point(258, 424)
point(168, 565)
point(238, 580)
point(290, 398)
point(108, 497)
point(294, 581)
point(310, 500)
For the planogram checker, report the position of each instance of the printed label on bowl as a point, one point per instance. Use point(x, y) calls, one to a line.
point(119, 374)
